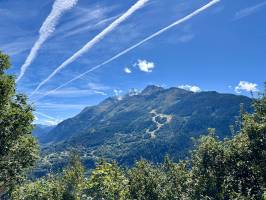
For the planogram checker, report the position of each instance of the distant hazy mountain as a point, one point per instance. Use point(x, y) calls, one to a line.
point(148, 125)
point(40, 131)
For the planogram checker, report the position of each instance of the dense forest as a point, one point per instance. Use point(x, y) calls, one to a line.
point(233, 168)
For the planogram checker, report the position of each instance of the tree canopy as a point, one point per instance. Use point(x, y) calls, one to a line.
point(18, 149)
point(233, 168)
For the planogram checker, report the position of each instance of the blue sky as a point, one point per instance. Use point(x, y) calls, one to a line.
point(222, 49)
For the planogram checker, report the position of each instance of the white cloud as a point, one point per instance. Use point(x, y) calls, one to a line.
point(17, 47)
point(100, 93)
point(88, 27)
point(186, 38)
point(52, 106)
point(47, 122)
point(82, 17)
point(51, 121)
point(145, 66)
point(246, 86)
point(118, 94)
point(192, 88)
point(98, 86)
point(127, 70)
point(134, 92)
point(75, 92)
point(248, 11)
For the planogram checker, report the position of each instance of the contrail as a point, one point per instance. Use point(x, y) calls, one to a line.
point(51, 120)
point(46, 116)
point(184, 19)
point(95, 40)
point(46, 30)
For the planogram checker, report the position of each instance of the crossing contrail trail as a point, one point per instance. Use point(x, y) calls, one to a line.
point(51, 120)
point(94, 41)
point(46, 30)
point(184, 19)
point(44, 115)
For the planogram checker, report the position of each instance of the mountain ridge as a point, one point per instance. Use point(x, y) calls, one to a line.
point(149, 124)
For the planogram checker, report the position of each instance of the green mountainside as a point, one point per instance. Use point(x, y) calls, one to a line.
point(149, 125)
point(41, 130)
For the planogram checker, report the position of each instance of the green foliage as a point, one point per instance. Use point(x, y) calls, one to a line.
point(208, 168)
point(146, 181)
point(42, 189)
point(178, 180)
point(164, 182)
point(107, 182)
point(67, 186)
point(235, 168)
point(232, 169)
point(4, 63)
point(73, 179)
point(18, 149)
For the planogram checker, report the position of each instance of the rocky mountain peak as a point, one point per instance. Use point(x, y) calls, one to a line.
point(150, 89)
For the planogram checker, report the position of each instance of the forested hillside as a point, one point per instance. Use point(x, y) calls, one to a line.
point(218, 169)
point(233, 169)
point(148, 125)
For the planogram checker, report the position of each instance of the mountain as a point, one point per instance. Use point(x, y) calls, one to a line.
point(41, 130)
point(149, 125)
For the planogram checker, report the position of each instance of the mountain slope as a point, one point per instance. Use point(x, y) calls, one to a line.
point(40, 131)
point(150, 124)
